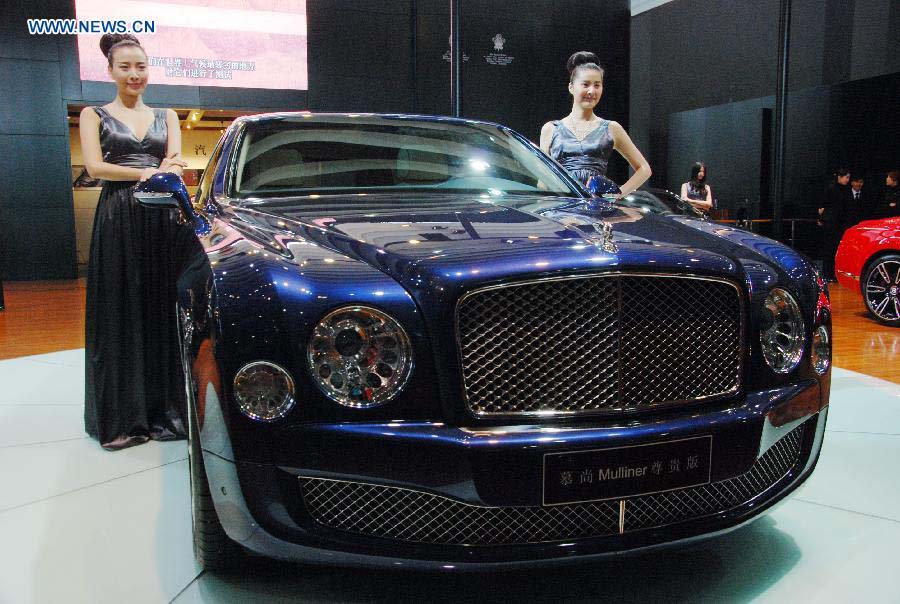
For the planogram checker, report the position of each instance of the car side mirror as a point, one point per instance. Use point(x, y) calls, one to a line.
point(599, 186)
point(164, 190)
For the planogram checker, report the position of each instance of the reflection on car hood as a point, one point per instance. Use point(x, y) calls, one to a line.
point(459, 240)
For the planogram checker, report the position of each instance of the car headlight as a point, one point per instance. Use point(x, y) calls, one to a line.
point(264, 391)
point(781, 331)
point(820, 350)
point(359, 356)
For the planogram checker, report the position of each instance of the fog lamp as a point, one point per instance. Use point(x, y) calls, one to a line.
point(264, 391)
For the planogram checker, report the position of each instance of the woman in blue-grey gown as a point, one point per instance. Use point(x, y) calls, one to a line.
point(582, 142)
point(697, 190)
point(133, 383)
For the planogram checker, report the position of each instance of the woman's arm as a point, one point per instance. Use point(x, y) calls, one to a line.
point(546, 136)
point(684, 192)
point(173, 162)
point(89, 129)
point(622, 144)
point(702, 204)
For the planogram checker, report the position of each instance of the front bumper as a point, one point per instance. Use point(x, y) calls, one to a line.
point(848, 280)
point(430, 495)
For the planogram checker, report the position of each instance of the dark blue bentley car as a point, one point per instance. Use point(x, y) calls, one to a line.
point(415, 341)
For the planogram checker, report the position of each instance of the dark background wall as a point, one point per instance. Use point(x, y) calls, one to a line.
point(373, 56)
point(704, 73)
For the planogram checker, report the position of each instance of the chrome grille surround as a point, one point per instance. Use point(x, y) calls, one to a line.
point(419, 517)
point(595, 344)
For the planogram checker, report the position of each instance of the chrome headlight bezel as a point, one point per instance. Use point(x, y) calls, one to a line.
point(820, 350)
point(249, 388)
point(782, 333)
point(359, 356)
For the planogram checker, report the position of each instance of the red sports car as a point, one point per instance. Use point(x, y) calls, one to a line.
point(868, 259)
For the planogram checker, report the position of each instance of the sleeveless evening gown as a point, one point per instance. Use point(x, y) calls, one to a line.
point(133, 383)
point(585, 158)
point(696, 193)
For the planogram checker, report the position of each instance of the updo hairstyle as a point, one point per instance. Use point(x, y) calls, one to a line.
point(580, 61)
point(110, 42)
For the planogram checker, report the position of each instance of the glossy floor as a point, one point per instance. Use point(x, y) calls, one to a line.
point(79, 524)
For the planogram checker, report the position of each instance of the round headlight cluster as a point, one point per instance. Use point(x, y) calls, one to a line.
point(359, 356)
point(781, 331)
point(264, 391)
point(821, 350)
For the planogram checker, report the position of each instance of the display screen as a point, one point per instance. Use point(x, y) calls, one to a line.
point(234, 43)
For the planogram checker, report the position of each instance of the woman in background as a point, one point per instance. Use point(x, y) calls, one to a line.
point(890, 198)
point(133, 387)
point(582, 142)
point(696, 191)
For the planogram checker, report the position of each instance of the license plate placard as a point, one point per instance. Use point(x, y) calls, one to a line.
point(597, 474)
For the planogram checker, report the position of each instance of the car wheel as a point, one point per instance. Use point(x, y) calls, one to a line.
point(212, 547)
point(881, 289)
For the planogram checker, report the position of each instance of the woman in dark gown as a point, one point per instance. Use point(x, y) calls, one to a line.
point(582, 142)
point(133, 387)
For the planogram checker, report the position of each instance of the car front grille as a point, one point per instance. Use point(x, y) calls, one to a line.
point(416, 516)
point(599, 344)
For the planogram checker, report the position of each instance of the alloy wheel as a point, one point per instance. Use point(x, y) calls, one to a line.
point(882, 289)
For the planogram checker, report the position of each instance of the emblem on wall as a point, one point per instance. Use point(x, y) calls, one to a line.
point(498, 57)
point(465, 57)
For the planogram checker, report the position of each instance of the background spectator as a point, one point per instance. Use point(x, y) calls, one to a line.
point(837, 199)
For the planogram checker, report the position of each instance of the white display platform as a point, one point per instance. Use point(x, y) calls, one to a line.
point(79, 524)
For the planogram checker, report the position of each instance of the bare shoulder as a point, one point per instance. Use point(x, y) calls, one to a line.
point(88, 115)
point(171, 115)
point(547, 128)
point(616, 128)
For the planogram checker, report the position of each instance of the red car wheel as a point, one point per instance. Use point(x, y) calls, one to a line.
point(881, 289)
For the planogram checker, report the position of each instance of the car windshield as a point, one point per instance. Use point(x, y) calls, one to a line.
point(289, 156)
point(659, 202)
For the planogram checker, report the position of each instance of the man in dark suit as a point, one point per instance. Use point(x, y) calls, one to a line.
point(859, 208)
point(837, 199)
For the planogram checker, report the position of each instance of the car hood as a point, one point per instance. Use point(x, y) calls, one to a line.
point(451, 242)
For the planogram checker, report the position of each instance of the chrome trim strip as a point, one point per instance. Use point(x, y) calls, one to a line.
point(849, 275)
point(610, 411)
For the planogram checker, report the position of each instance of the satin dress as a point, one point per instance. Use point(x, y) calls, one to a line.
point(133, 381)
point(582, 158)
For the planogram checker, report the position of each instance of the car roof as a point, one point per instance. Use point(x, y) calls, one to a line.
point(362, 117)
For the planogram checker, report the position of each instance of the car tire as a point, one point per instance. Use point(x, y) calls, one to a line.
point(213, 549)
point(880, 286)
